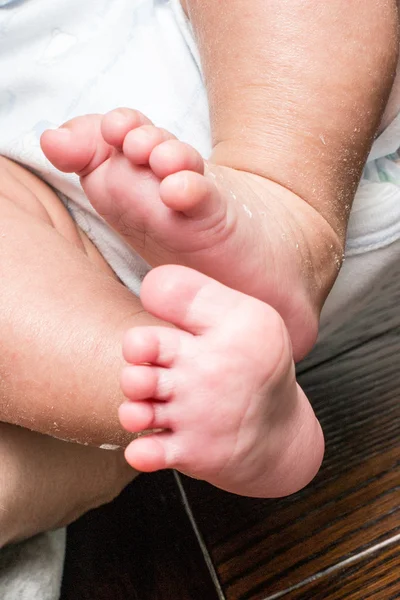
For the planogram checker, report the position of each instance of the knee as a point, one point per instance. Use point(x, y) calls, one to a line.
point(22, 192)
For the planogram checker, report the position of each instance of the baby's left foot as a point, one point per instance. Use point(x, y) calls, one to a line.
point(221, 391)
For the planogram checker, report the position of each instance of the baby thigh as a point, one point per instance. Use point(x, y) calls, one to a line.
point(46, 483)
point(62, 317)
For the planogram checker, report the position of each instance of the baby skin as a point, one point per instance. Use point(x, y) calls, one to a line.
point(220, 389)
point(218, 392)
point(173, 207)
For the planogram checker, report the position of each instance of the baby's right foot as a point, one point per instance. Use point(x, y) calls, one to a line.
point(220, 391)
point(247, 232)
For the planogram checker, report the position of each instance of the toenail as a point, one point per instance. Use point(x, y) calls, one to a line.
point(63, 131)
point(181, 182)
point(119, 116)
point(143, 134)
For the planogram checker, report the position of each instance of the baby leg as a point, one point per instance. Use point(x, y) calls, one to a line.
point(172, 207)
point(263, 426)
point(62, 317)
point(44, 482)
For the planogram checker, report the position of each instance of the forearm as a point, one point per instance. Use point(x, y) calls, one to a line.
point(297, 90)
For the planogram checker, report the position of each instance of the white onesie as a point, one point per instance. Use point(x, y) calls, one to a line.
point(63, 58)
point(67, 58)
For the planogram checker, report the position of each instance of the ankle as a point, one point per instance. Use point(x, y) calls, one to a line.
point(312, 181)
point(320, 247)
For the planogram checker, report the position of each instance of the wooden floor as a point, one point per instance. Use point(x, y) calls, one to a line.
point(171, 538)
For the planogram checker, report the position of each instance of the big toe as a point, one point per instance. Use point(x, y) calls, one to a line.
point(196, 303)
point(77, 146)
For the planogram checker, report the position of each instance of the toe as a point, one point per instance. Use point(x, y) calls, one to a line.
point(136, 416)
point(152, 345)
point(154, 452)
point(192, 194)
point(173, 156)
point(141, 382)
point(116, 125)
point(188, 299)
point(140, 143)
point(77, 146)
point(147, 454)
point(197, 304)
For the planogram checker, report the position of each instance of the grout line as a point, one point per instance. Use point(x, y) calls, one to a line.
point(336, 567)
point(200, 540)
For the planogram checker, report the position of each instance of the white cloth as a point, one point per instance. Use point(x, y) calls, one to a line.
point(33, 569)
point(373, 239)
point(140, 53)
point(67, 58)
point(63, 58)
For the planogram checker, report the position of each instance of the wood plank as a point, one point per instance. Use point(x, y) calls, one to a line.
point(374, 314)
point(263, 547)
point(374, 577)
point(141, 546)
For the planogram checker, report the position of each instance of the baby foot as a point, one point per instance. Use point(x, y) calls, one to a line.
point(147, 185)
point(247, 232)
point(221, 392)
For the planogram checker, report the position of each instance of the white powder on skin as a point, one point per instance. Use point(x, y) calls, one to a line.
point(247, 211)
point(109, 447)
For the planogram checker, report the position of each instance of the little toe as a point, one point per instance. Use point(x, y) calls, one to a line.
point(152, 345)
point(137, 417)
point(153, 452)
point(173, 156)
point(117, 123)
point(192, 194)
point(140, 143)
point(77, 146)
point(140, 416)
